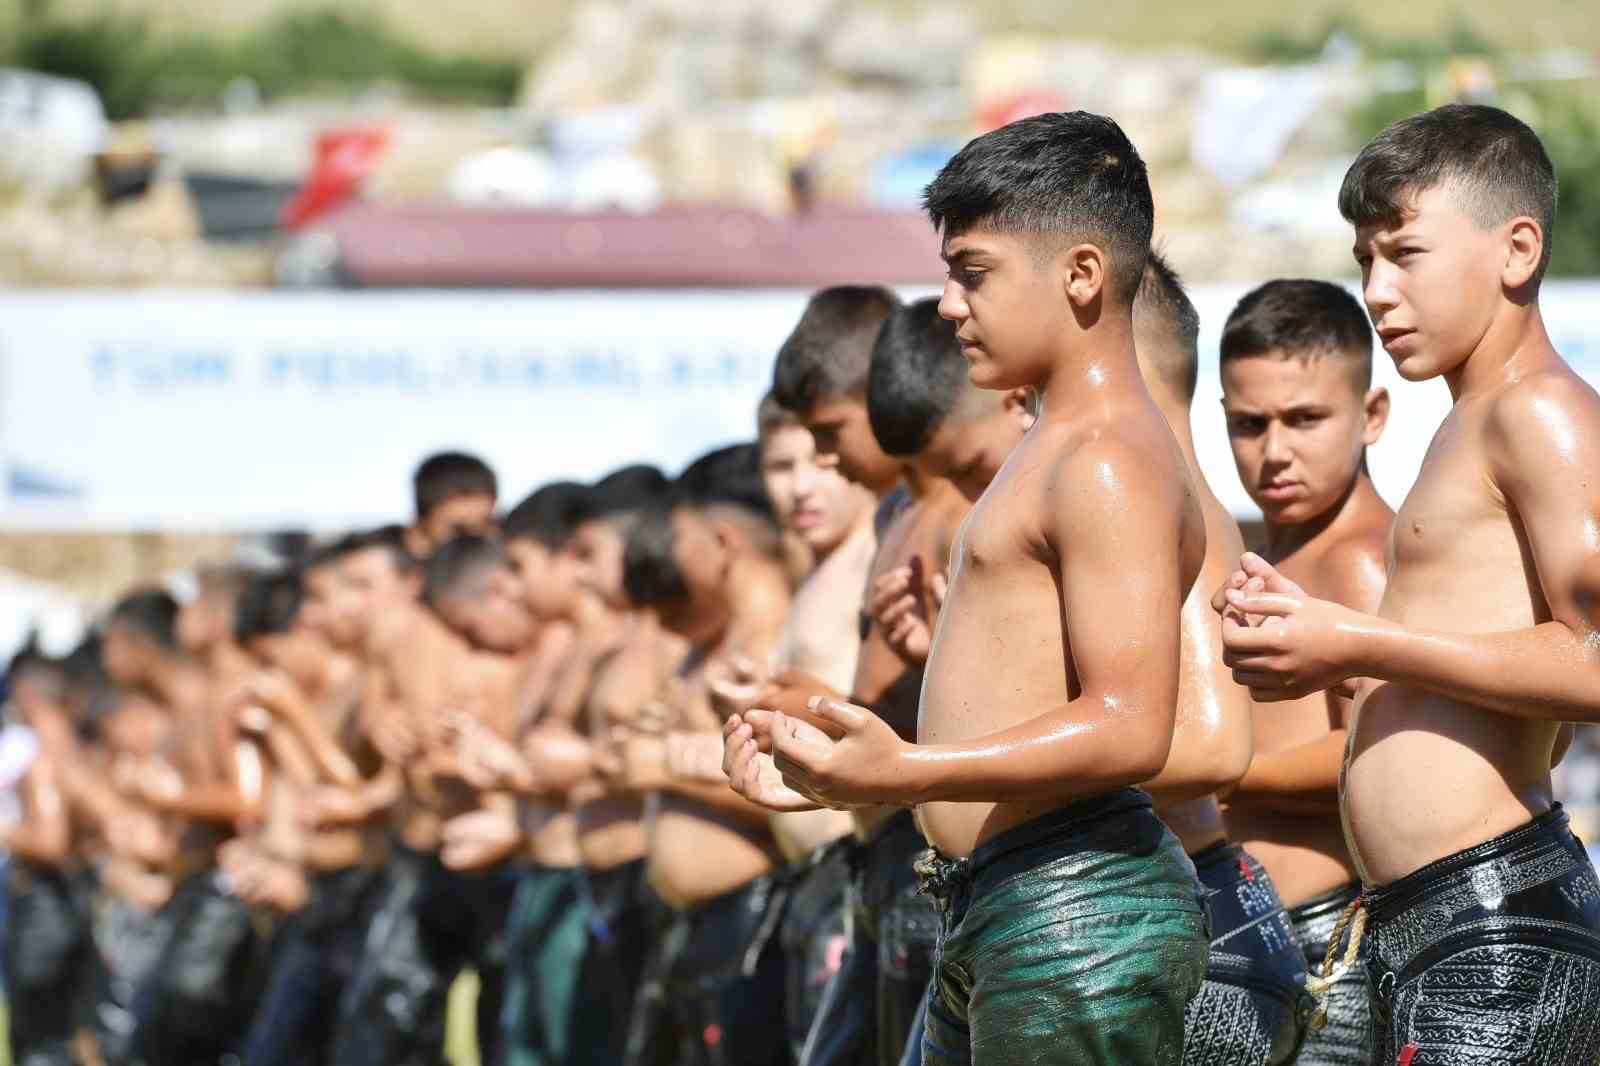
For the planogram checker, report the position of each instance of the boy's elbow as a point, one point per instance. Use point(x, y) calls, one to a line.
point(1147, 759)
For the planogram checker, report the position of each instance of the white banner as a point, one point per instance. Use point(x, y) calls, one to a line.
point(198, 410)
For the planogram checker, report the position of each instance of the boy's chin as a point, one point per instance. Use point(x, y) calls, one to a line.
point(987, 375)
point(1422, 366)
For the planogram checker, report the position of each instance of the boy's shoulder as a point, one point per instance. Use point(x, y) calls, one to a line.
point(1551, 414)
point(1353, 564)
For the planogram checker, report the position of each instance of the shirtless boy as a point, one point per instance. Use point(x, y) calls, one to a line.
point(455, 654)
point(305, 702)
point(1047, 860)
point(711, 565)
point(1301, 412)
point(195, 1001)
point(1482, 933)
point(821, 376)
point(924, 406)
point(869, 1007)
point(549, 1016)
point(49, 959)
point(1251, 1008)
point(832, 518)
point(628, 659)
point(454, 494)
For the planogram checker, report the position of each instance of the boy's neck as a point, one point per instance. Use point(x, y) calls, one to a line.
point(1515, 344)
point(178, 681)
point(1101, 365)
point(862, 524)
point(226, 659)
point(1360, 497)
point(756, 587)
point(918, 483)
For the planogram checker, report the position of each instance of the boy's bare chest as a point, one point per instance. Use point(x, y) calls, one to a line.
point(1450, 516)
point(998, 535)
point(1456, 557)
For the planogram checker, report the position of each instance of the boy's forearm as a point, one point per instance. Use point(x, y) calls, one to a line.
point(330, 760)
point(1082, 749)
point(1548, 672)
point(1296, 779)
point(209, 803)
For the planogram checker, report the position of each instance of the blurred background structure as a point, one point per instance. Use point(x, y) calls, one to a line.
point(258, 257)
point(225, 229)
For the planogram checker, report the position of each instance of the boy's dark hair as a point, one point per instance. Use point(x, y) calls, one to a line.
point(90, 692)
point(390, 539)
point(269, 605)
point(548, 516)
point(828, 352)
point(918, 377)
point(31, 659)
point(82, 664)
point(1166, 319)
point(772, 416)
point(1304, 319)
point(448, 475)
point(1069, 177)
point(223, 581)
point(456, 562)
point(1495, 162)
point(151, 613)
point(728, 475)
point(319, 555)
point(725, 482)
point(650, 575)
point(622, 491)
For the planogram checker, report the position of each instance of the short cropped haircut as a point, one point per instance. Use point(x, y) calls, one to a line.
point(650, 574)
point(1167, 327)
point(224, 582)
point(30, 659)
point(1303, 319)
point(1059, 178)
point(622, 491)
point(270, 604)
point(918, 378)
point(151, 613)
point(390, 539)
point(771, 416)
point(727, 475)
point(724, 483)
point(1493, 161)
point(82, 664)
point(457, 562)
point(548, 516)
point(449, 475)
point(828, 353)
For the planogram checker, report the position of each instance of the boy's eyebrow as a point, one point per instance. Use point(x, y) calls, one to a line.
point(960, 255)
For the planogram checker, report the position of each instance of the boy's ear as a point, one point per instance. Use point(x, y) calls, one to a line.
point(1083, 274)
point(1376, 405)
point(1524, 247)
point(1018, 404)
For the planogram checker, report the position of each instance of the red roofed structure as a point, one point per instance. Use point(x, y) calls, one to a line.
point(676, 247)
